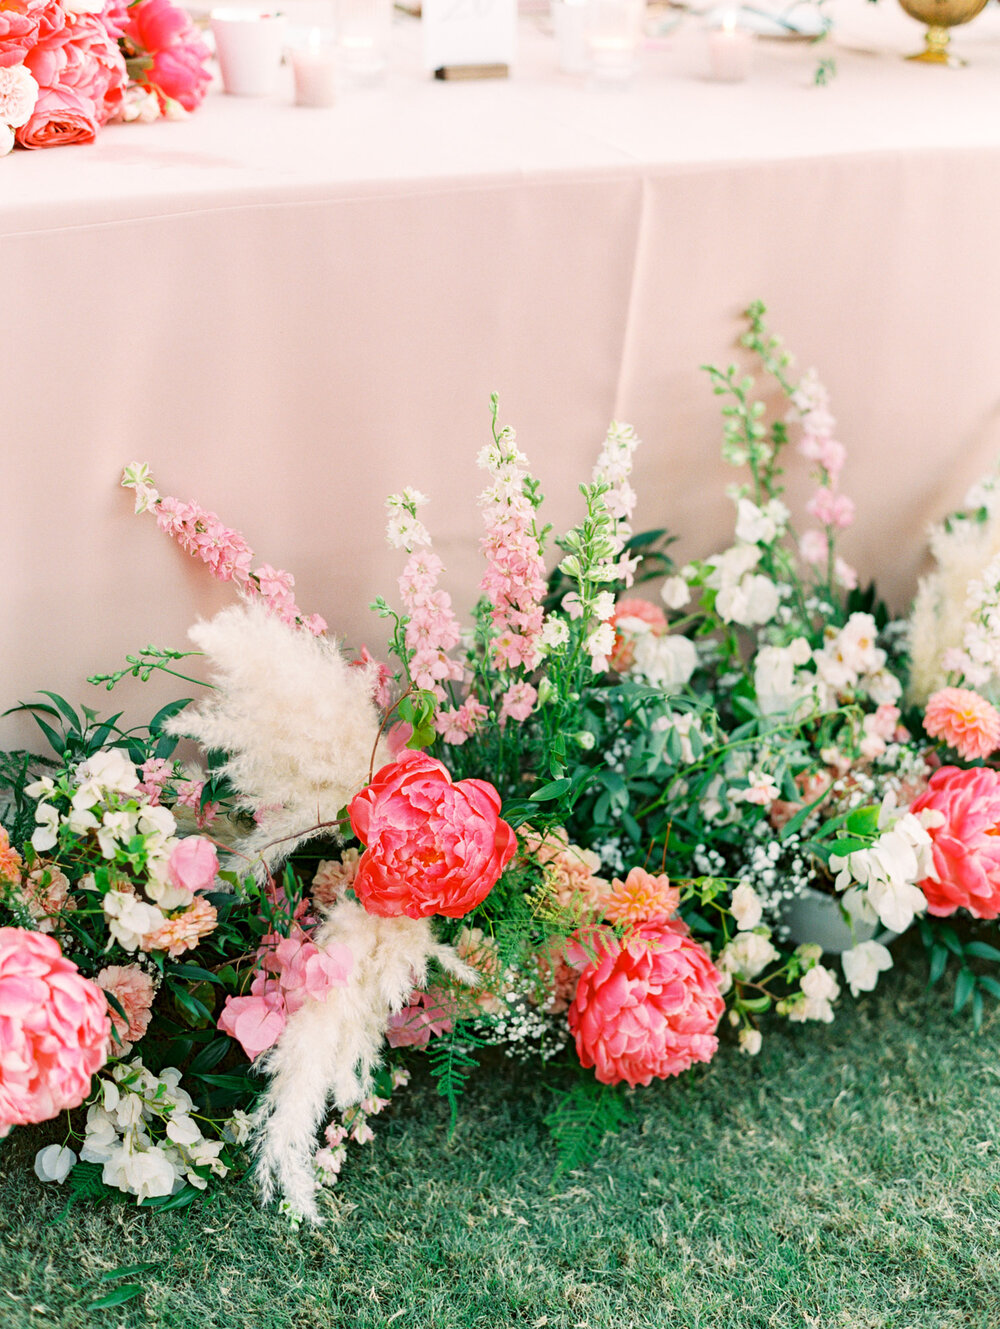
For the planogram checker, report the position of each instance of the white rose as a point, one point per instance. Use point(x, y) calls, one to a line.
point(6, 139)
point(750, 1041)
point(752, 525)
point(130, 919)
point(675, 593)
point(863, 964)
point(18, 94)
point(666, 662)
point(746, 907)
point(747, 955)
point(111, 769)
point(47, 833)
point(54, 1162)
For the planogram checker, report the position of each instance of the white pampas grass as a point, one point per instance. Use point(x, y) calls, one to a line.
point(331, 1048)
point(961, 550)
point(297, 721)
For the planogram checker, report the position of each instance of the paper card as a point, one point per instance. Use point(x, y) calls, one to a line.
point(469, 32)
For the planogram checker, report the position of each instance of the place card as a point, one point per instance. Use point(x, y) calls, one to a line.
point(466, 34)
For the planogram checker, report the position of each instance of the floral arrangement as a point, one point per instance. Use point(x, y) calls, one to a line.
point(68, 67)
point(593, 827)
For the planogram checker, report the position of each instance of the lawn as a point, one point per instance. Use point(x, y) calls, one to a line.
point(848, 1178)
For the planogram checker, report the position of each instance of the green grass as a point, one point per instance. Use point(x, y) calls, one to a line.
point(846, 1179)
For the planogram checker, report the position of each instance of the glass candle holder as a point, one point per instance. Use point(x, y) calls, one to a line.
point(613, 35)
point(730, 50)
point(314, 67)
point(363, 28)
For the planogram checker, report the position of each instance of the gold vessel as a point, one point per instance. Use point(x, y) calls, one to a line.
point(940, 15)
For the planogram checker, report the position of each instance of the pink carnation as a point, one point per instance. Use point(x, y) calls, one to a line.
point(966, 721)
point(646, 1005)
point(966, 846)
point(184, 931)
point(46, 896)
point(54, 1029)
point(133, 989)
point(10, 860)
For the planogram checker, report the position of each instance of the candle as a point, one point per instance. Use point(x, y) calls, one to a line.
point(730, 51)
point(613, 33)
point(315, 69)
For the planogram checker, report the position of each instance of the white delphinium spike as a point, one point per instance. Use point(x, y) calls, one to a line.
point(297, 721)
point(331, 1048)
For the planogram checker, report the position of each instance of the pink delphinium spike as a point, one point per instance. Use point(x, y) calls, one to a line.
point(225, 552)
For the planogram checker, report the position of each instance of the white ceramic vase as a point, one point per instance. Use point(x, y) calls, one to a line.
point(815, 917)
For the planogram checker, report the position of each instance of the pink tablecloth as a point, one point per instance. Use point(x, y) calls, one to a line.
point(291, 313)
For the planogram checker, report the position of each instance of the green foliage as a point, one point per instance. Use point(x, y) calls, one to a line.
point(960, 946)
point(451, 1057)
point(581, 1119)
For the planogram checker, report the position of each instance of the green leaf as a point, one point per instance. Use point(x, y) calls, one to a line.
point(991, 985)
point(195, 972)
point(581, 1119)
point(939, 963)
point(129, 1270)
point(863, 821)
point(555, 789)
point(965, 985)
point(210, 1055)
point(800, 818)
point(179, 1201)
point(65, 708)
point(982, 950)
point(124, 1293)
point(166, 713)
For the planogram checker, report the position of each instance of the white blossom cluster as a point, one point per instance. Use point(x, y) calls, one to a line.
point(524, 1029)
point(978, 659)
point(143, 1130)
point(404, 529)
point(880, 881)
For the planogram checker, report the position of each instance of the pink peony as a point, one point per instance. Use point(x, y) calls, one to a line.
point(966, 847)
point(193, 864)
point(162, 30)
point(81, 75)
point(627, 612)
point(428, 1013)
point(133, 989)
point(54, 1029)
point(646, 1005)
point(433, 846)
point(23, 23)
point(966, 722)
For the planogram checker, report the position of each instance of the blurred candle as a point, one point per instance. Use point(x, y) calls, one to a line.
point(730, 51)
point(315, 68)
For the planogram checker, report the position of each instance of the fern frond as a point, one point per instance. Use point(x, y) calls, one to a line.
point(581, 1119)
point(452, 1060)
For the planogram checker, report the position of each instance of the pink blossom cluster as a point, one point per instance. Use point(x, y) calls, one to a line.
point(292, 969)
point(514, 580)
point(189, 796)
point(834, 511)
point(225, 552)
point(458, 724)
point(432, 630)
point(155, 773)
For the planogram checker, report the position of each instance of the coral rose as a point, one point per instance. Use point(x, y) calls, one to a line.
point(54, 1029)
point(23, 23)
point(966, 722)
point(160, 29)
point(630, 617)
point(646, 1005)
point(432, 846)
point(81, 76)
point(966, 846)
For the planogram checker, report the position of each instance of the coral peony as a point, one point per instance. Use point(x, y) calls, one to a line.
point(23, 23)
point(163, 31)
point(632, 616)
point(966, 847)
point(54, 1029)
point(646, 1005)
point(433, 846)
point(641, 898)
point(966, 722)
point(133, 990)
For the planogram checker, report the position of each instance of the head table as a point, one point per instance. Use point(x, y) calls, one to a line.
point(290, 313)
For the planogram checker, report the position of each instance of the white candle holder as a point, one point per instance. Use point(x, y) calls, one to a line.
point(730, 50)
point(314, 67)
point(249, 45)
point(614, 32)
